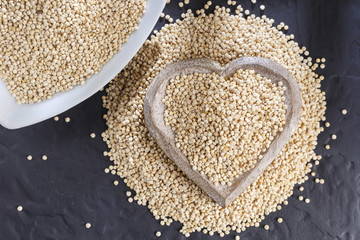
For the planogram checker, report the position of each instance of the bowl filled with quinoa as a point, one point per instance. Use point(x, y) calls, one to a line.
point(55, 55)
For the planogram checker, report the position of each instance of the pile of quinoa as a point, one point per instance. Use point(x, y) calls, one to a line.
point(157, 181)
point(50, 46)
point(224, 124)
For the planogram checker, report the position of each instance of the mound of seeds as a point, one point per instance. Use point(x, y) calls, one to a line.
point(157, 181)
point(223, 125)
point(50, 46)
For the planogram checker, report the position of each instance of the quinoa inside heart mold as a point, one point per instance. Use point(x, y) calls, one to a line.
point(223, 124)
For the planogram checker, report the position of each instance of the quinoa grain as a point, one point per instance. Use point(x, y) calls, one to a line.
point(155, 179)
point(50, 46)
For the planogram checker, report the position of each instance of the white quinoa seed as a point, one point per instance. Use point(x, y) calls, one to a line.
point(44, 157)
point(156, 180)
point(88, 225)
point(79, 38)
point(56, 118)
point(67, 119)
point(19, 208)
point(344, 112)
point(158, 234)
point(29, 157)
point(92, 135)
point(279, 220)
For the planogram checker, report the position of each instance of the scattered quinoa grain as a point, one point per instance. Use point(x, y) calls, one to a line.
point(266, 227)
point(301, 198)
point(327, 146)
point(279, 220)
point(88, 225)
point(237, 237)
point(92, 135)
point(116, 182)
point(344, 112)
point(44, 157)
point(137, 158)
point(307, 200)
point(158, 234)
point(29, 157)
point(327, 124)
point(321, 181)
point(67, 119)
point(19, 208)
point(333, 136)
point(262, 7)
point(56, 118)
point(130, 200)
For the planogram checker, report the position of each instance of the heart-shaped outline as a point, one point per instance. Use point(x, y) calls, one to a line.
point(165, 136)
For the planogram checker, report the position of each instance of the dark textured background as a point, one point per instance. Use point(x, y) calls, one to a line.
point(69, 189)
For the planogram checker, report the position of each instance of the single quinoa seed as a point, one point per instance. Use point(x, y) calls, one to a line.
point(50, 46)
point(88, 225)
point(158, 234)
point(156, 180)
point(279, 220)
point(44, 157)
point(67, 119)
point(344, 112)
point(29, 157)
point(19, 208)
point(266, 227)
point(56, 118)
point(92, 135)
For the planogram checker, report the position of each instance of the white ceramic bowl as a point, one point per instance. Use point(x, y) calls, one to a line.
point(13, 115)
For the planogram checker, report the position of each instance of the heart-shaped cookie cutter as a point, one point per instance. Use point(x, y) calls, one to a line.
point(165, 136)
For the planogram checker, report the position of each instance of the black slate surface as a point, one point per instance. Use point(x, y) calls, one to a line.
point(69, 189)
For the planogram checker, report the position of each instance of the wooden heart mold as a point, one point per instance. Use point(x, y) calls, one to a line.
point(165, 136)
